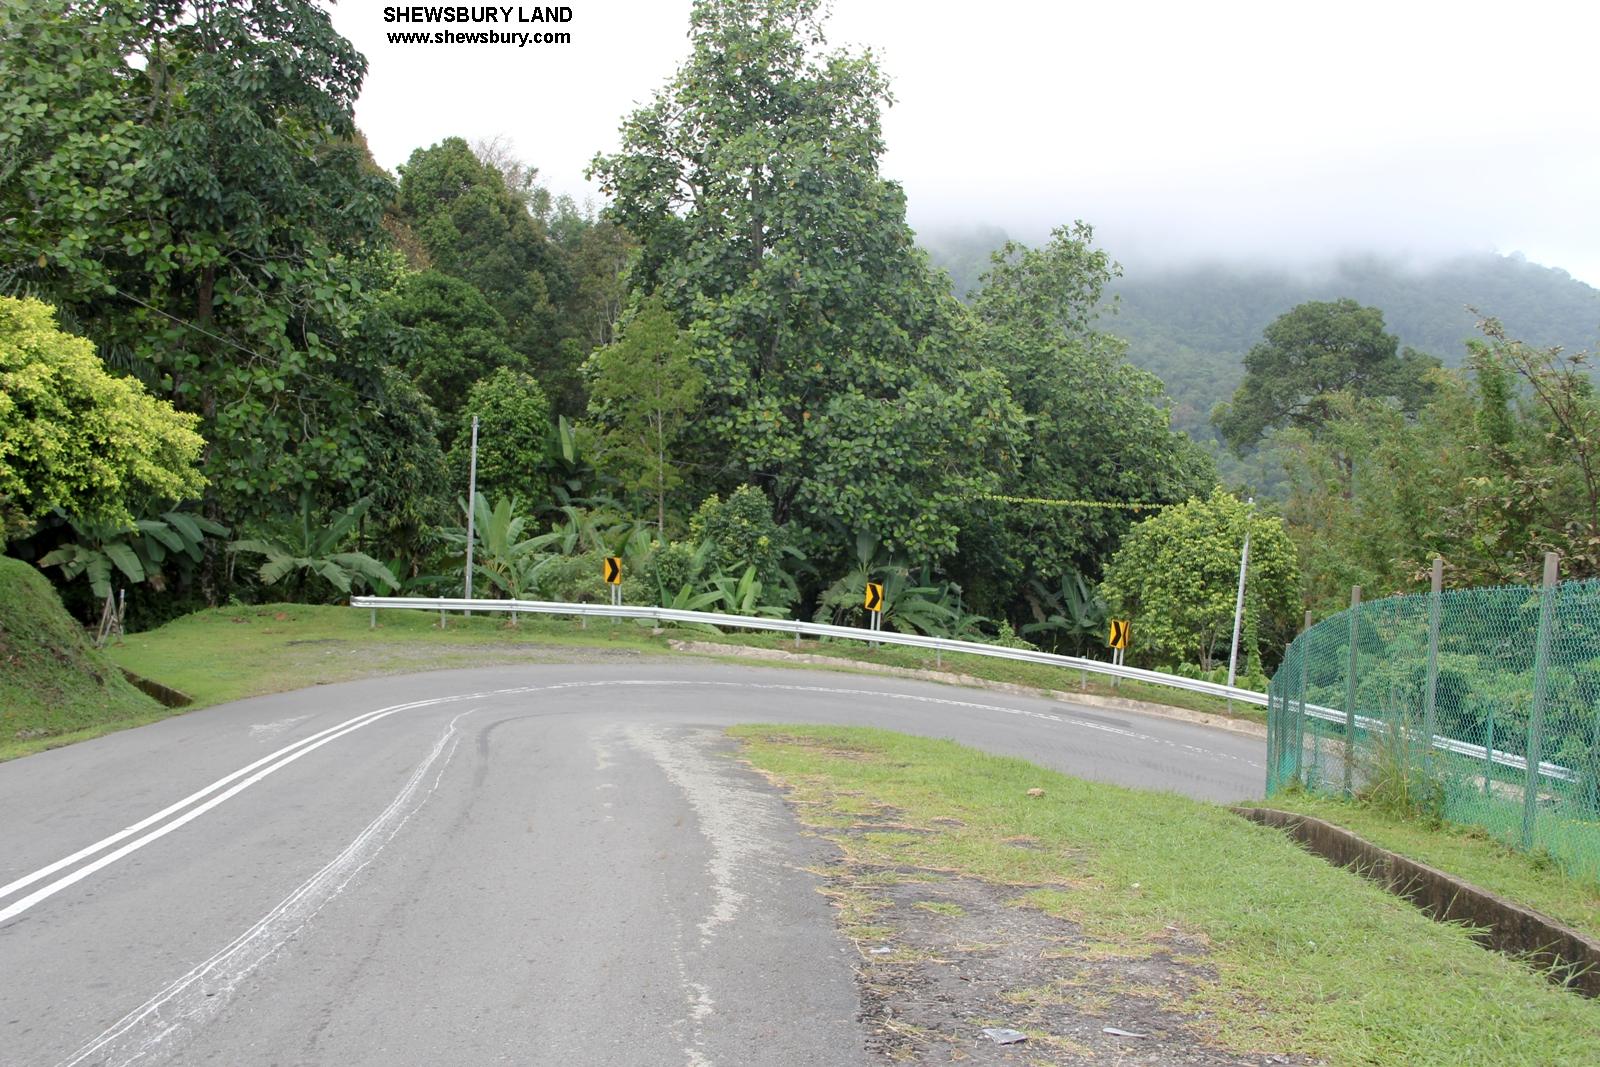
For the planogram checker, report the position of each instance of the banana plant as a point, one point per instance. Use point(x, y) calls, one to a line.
point(312, 551)
point(139, 553)
point(1072, 615)
point(742, 595)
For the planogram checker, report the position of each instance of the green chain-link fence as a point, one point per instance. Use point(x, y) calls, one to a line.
point(1438, 702)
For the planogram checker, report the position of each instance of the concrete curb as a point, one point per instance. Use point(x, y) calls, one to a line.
point(164, 694)
point(1200, 718)
point(1498, 923)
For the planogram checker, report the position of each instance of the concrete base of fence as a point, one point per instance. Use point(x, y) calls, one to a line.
point(1498, 923)
point(164, 694)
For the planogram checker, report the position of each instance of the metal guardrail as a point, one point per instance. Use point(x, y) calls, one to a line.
point(1451, 744)
point(814, 629)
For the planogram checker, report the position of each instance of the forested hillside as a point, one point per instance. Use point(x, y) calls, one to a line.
point(1192, 326)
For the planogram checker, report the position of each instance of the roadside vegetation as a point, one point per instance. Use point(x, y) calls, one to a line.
point(1268, 949)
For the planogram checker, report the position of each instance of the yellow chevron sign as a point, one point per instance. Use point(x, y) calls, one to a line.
point(873, 601)
point(1118, 637)
point(613, 570)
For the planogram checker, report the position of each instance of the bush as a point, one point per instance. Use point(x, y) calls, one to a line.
point(742, 534)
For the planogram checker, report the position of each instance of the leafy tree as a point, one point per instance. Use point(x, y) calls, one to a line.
point(444, 334)
point(644, 390)
point(1306, 357)
point(1097, 428)
point(183, 179)
point(836, 377)
point(312, 550)
point(474, 226)
point(74, 437)
point(409, 478)
point(513, 429)
point(1176, 577)
point(740, 532)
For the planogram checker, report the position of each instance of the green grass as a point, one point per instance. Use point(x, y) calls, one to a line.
point(54, 686)
point(1308, 958)
point(1467, 852)
point(235, 652)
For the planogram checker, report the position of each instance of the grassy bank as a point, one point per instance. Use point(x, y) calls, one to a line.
point(54, 686)
point(1467, 852)
point(1288, 953)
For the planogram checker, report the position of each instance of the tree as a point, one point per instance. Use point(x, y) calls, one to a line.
point(1307, 356)
point(444, 334)
point(1176, 577)
point(184, 181)
point(476, 227)
point(836, 375)
point(1097, 428)
point(73, 437)
point(644, 390)
point(513, 430)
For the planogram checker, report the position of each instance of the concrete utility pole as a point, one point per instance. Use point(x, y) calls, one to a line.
point(472, 502)
point(1238, 601)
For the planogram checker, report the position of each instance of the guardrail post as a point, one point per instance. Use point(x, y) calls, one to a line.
point(1429, 716)
point(1350, 695)
point(1541, 685)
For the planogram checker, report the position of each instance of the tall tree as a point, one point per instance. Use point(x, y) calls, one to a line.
point(645, 389)
point(1098, 429)
point(836, 377)
point(475, 226)
point(183, 179)
point(1308, 356)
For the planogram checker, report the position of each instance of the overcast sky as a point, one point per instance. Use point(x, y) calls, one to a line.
point(1273, 131)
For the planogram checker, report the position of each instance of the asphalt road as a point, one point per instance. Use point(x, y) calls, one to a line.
point(537, 865)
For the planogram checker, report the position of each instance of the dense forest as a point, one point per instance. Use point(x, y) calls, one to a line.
point(241, 361)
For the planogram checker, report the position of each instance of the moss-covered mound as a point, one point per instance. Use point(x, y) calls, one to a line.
point(53, 682)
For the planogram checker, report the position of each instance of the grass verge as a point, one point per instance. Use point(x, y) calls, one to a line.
point(1306, 958)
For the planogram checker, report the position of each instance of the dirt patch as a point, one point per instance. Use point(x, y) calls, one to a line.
point(943, 956)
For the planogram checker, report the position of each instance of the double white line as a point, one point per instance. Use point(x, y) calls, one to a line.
point(195, 805)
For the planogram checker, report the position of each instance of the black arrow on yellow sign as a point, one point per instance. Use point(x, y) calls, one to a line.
point(874, 598)
point(1119, 634)
point(613, 570)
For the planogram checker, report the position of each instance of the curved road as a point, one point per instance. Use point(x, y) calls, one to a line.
point(535, 865)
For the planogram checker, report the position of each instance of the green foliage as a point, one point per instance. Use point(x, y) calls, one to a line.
point(76, 438)
point(312, 550)
point(183, 180)
point(909, 602)
point(1308, 356)
point(644, 390)
point(444, 334)
point(740, 532)
point(1176, 577)
point(1070, 617)
point(475, 227)
point(138, 553)
point(836, 376)
point(1497, 468)
point(510, 562)
point(1096, 426)
point(513, 432)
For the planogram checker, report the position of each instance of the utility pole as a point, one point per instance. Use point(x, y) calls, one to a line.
point(472, 503)
point(1238, 601)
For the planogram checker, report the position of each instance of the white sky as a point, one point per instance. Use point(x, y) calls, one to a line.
point(1283, 131)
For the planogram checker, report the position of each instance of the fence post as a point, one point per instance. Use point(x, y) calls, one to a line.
point(1429, 716)
point(1300, 713)
point(1350, 695)
point(1541, 685)
point(1488, 752)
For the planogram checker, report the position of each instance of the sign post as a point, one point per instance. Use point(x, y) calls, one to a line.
point(873, 602)
point(611, 571)
point(1117, 638)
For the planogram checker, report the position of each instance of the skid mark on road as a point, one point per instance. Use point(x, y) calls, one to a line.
point(201, 993)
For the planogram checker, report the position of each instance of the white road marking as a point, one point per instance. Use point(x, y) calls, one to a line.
point(262, 730)
point(205, 988)
point(269, 764)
